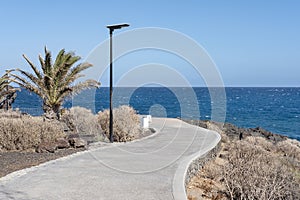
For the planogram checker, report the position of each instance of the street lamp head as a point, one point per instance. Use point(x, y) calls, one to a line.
point(116, 26)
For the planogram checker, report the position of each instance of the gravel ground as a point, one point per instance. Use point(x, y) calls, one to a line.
point(13, 161)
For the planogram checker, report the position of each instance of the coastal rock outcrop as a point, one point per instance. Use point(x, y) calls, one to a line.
point(258, 131)
point(233, 131)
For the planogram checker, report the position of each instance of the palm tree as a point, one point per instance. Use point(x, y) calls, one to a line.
point(56, 80)
point(7, 92)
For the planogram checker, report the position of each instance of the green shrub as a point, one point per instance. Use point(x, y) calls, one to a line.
point(26, 132)
point(126, 123)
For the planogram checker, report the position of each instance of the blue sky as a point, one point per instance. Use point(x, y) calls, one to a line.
point(253, 43)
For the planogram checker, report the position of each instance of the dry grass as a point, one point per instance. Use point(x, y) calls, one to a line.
point(253, 168)
point(126, 123)
point(25, 132)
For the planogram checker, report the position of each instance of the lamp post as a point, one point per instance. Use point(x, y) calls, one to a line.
point(111, 30)
point(7, 88)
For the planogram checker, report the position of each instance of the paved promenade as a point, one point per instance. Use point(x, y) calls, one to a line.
point(151, 168)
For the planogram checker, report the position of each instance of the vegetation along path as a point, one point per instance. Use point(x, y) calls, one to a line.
point(151, 168)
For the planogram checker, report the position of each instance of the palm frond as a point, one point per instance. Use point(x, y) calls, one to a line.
point(36, 71)
point(64, 92)
point(42, 62)
point(74, 73)
point(58, 60)
point(25, 84)
point(35, 80)
point(88, 84)
point(48, 63)
point(3, 83)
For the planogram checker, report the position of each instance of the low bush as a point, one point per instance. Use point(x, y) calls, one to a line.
point(260, 142)
point(26, 132)
point(252, 172)
point(10, 114)
point(290, 148)
point(126, 123)
point(83, 122)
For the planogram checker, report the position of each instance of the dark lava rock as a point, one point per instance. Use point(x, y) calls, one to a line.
point(62, 143)
point(77, 143)
point(258, 131)
point(235, 132)
point(46, 147)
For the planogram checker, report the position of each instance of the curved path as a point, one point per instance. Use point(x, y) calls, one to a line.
point(151, 168)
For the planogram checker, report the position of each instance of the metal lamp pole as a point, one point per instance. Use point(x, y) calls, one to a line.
point(111, 30)
point(7, 88)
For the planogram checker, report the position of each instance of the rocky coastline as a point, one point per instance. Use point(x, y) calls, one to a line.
point(235, 132)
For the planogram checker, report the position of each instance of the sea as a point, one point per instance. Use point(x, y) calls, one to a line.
point(274, 109)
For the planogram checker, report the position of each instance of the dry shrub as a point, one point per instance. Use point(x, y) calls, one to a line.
point(215, 126)
point(10, 114)
point(290, 148)
point(27, 132)
point(251, 172)
point(261, 142)
point(224, 138)
point(211, 170)
point(81, 121)
point(126, 123)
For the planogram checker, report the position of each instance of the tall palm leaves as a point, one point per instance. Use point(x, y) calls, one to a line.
point(56, 80)
point(7, 92)
point(3, 83)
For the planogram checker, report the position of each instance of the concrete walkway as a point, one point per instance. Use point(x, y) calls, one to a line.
point(152, 168)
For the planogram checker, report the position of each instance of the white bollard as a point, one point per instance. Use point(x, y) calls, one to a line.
point(149, 118)
point(145, 122)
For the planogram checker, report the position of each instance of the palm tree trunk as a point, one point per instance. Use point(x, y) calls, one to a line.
point(52, 112)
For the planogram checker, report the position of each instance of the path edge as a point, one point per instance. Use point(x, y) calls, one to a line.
point(190, 166)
